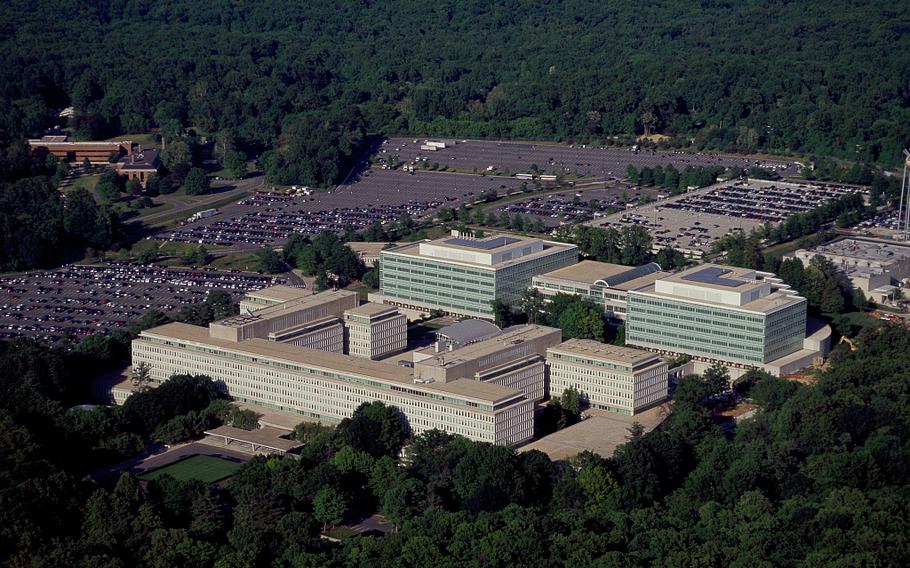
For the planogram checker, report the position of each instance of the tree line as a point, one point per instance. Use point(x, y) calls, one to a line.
point(303, 88)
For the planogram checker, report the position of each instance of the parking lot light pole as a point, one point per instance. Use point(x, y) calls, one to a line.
point(903, 216)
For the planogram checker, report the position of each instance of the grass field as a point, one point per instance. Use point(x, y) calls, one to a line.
point(146, 138)
point(84, 181)
point(207, 469)
point(237, 261)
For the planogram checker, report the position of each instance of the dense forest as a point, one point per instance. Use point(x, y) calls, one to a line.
point(818, 477)
point(305, 82)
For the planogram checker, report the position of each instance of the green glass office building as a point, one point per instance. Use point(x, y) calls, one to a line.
point(718, 313)
point(463, 276)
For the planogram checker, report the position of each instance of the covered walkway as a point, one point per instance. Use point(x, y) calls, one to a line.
point(265, 440)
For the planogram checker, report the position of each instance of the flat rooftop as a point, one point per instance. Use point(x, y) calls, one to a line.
point(728, 279)
point(371, 309)
point(591, 271)
point(280, 293)
point(602, 433)
point(772, 302)
point(587, 271)
point(484, 244)
point(271, 438)
point(875, 250)
point(277, 310)
point(717, 277)
point(367, 247)
point(509, 337)
point(640, 282)
point(595, 349)
point(376, 370)
point(413, 249)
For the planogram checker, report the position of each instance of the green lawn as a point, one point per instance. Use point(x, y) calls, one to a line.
point(84, 181)
point(207, 469)
point(145, 138)
point(238, 261)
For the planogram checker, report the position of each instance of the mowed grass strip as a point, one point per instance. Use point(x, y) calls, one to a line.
point(207, 469)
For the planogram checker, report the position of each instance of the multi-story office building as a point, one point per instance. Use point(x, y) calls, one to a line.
point(605, 284)
point(514, 359)
point(330, 386)
point(324, 334)
point(375, 331)
point(258, 299)
point(730, 315)
point(464, 275)
point(609, 377)
point(281, 317)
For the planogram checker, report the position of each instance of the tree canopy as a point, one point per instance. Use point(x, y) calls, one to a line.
point(304, 83)
point(819, 476)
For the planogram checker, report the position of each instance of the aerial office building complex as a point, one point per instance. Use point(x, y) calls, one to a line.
point(605, 284)
point(330, 386)
point(730, 315)
point(609, 377)
point(464, 275)
point(288, 355)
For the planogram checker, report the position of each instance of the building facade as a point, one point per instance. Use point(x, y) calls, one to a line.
point(140, 164)
point(324, 334)
point(74, 152)
point(285, 315)
point(606, 285)
point(464, 275)
point(273, 295)
point(329, 387)
point(375, 331)
point(513, 359)
point(728, 315)
point(874, 266)
point(609, 377)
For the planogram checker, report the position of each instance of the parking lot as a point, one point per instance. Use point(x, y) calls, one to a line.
point(693, 221)
point(585, 161)
point(570, 206)
point(766, 202)
point(883, 224)
point(81, 300)
point(375, 194)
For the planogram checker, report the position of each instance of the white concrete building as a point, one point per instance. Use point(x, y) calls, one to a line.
point(280, 315)
point(324, 334)
point(609, 377)
point(513, 359)
point(375, 331)
point(330, 386)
